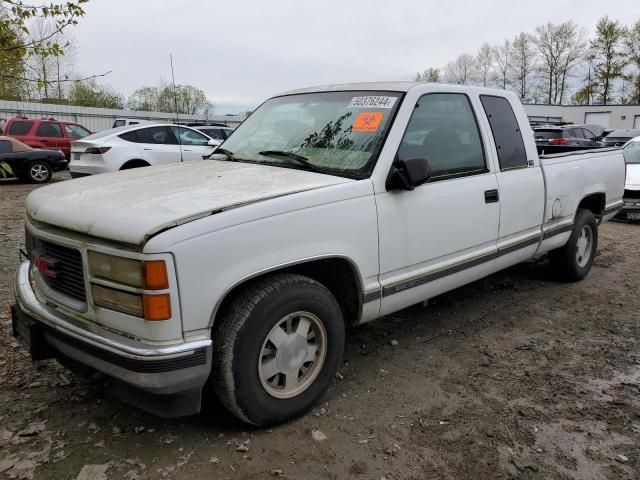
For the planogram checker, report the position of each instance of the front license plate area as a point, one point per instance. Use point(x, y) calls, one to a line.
point(633, 216)
point(29, 333)
point(76, 156)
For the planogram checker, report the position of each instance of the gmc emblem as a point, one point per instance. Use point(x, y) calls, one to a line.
point(45, 265)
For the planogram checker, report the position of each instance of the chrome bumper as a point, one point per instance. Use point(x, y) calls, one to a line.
point(158, 369)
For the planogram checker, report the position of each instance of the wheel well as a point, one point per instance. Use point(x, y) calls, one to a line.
point(337, 274)
point(594, 202)
point(134, 164)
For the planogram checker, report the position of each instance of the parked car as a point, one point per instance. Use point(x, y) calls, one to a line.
point(242, 272)
point(138, 146)
point(35, 165)
point(554, 139)
point(217, 132)
point(631, 197)
point(618, 138)
point(125, 122)
point(50, 134)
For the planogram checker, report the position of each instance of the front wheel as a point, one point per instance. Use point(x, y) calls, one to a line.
point(39, 172)
point(277, 348)
point(573, 261)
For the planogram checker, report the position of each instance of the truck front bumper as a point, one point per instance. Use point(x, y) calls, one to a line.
point(163, 379)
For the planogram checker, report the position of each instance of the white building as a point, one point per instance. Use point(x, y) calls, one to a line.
point(609, 116)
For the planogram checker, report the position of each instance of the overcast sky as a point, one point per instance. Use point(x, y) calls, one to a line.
point(242, 51)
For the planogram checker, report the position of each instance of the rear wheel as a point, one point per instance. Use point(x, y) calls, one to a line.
point(39, 172)
point(573, 261)
point(276, 348)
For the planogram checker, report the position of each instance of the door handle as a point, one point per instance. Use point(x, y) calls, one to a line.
point(147, 148)
point(491, 196)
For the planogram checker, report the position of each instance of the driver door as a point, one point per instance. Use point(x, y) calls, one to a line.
point(443, 233)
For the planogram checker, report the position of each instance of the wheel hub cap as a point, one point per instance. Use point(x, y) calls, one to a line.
point(292, 355)
point(583, 246)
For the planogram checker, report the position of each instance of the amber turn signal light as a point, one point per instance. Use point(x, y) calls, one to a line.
point(155, 275)
point(156, 307)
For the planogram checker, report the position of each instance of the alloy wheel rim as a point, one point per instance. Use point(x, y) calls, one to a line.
point(292, 355)
point(583, 246)
point(39, 172)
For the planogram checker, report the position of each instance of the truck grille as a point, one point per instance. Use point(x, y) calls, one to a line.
point(64, 272)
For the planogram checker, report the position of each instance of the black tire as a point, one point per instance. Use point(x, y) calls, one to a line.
point(566, 261)
point(241, 334)
point(39, 172)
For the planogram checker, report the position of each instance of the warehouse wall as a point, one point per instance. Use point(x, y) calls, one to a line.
point(610, 116)
point(97, 119)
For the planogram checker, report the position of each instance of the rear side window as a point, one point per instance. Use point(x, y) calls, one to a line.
point(506, 132)
point(546, 134)
point(76, 131)
point(130, 136)
point(5, 146)
point(49, 130)
point(443, 130)
point(20, 128)
point(118, 123)
point(587, 134)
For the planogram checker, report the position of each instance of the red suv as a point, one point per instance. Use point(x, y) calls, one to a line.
point(50, 134)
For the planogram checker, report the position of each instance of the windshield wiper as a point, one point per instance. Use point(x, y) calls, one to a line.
point(293, 156)
point(228, 153)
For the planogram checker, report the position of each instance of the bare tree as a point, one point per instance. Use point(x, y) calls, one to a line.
point(560, 47)
point(49, 68)
point(461, 70)
point(502, 56)
point(485, 63)
point(631, 45)
point(523, 63)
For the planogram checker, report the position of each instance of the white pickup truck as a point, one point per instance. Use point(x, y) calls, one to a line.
point(327, 207)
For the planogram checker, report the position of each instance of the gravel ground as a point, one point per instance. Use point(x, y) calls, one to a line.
point(514, 376)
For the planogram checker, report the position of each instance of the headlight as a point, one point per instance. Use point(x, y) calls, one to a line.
point(148, 275)
point(116, 269)
point(145, 275)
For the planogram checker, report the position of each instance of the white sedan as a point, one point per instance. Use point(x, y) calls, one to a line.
point(631, 210)
point(138, 146)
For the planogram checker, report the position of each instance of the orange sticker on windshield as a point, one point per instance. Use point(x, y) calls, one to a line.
point(367, 122)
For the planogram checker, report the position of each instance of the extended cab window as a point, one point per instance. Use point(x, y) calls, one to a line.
point(49, 130)
point(443, 129)
point(20, 128)
point(506, 132)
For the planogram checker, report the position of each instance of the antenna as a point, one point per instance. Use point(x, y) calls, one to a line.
point(175, 98)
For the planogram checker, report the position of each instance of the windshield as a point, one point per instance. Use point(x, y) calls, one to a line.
point(338, 133)
point(632, 152)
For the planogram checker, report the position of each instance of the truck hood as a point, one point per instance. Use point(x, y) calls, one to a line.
point(633, 176)
point(131, 206)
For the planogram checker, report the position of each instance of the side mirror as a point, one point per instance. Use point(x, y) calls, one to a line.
point(213, 143)
point(408, 174)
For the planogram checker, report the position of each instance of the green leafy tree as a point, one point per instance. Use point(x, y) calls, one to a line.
point(91, 94)
point(608, 58)
point(12, 67)
point(431, 75)
point(144, 99)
